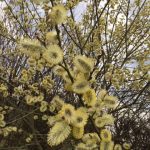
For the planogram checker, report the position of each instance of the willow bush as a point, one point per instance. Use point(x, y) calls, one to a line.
point(74, 81)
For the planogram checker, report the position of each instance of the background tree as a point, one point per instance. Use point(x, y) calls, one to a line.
point(74, 83)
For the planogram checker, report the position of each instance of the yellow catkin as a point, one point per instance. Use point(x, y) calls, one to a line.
point(81, 146)
point(106, 145)
point(91, 137)
point(58, 133)
point(58, 102)
point(126, 145)
point(68, 113)
point(83, 63)
point(106, 119)
point(51, 37)
point(102, 94)
point(80, 86)
point(53, 54)
point(90, 97)
point(77, 132)
point(105, 135)
point(80, 118)
point(58, 14)
point(110, 101)
point(117, 147)
point(31, 47)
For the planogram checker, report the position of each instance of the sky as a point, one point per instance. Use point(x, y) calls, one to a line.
point(81, 8)
point(2, 4)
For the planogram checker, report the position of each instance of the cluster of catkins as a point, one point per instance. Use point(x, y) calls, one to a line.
point(66, 119)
